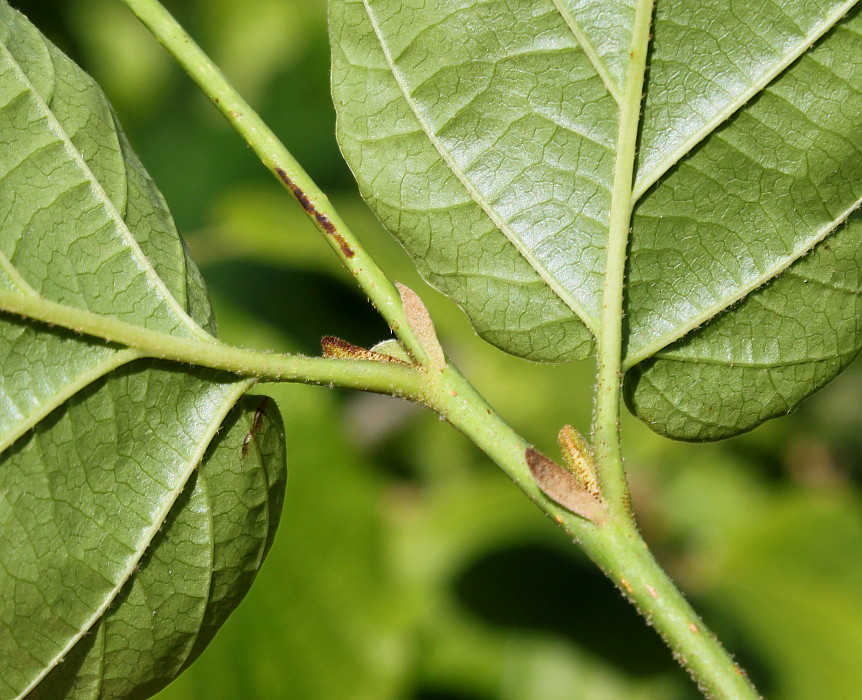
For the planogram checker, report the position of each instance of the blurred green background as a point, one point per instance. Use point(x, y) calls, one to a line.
point(406, 566)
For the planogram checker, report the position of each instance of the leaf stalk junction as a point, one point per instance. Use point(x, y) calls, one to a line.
point(588, 497)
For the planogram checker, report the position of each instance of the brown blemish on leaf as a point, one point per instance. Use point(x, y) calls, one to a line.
point(256, 425)
point(626, 586)
point(563, 487)
point(323, 220)
point(336, 348)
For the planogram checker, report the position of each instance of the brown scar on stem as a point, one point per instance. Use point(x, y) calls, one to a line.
point(563, 487)
point(321, 218)
point(338, 349)
point(256, 425)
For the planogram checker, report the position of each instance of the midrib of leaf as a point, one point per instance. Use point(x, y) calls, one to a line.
point(589, 321)
point(230, 399)
point(642, 185)
point(768, 274)
point(610, 338)
point(589, 50)
point(129, 239)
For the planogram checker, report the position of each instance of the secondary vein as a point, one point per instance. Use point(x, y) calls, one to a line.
point(644, 183)
point(111, 211)
point(563, 294)
point(589, 50)
point(781, 264)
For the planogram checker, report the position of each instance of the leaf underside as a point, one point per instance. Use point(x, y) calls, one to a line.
point(137, 498)
point(484, 135)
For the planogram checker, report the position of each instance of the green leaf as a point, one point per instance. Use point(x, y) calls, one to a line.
point(128, 528)
point(195, 571)
point(485, 136)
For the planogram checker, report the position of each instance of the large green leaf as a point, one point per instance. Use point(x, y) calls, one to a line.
point(128, 530)
point(485, 136)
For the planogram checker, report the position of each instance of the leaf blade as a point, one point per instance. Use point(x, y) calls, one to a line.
point(469, 191)
point(102, 452)
point(747, 163)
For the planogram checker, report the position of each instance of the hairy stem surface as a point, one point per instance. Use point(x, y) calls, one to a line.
point(606, 435)
point(281, 163)
point(615, 544)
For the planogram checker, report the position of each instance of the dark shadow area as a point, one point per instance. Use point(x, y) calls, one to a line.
point(444, 694)
point(306, 305)
point(532, 587)
point(50, 17)
point(743, 649)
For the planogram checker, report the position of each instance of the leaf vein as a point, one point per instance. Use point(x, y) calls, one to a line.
point(561, 292)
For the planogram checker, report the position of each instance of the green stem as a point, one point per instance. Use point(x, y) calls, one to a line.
point(606, 435)
point(615, 545)
point(275, 156)
point(622, 554)
point(393, 378)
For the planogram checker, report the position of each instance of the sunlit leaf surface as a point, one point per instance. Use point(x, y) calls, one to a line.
point(485, 136)
point(129, 525)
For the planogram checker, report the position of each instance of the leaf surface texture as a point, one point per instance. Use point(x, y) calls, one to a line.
point(129, 525)
point(485, 136)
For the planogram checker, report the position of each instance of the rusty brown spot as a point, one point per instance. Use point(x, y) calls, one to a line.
point(345, 248)
point(257, 422)
point(336, 348)
point(256, 425)
point(321, 219)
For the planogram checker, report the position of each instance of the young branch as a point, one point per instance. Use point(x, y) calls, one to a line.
point(604, 528)
point(275, 156)
point(397, 379)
